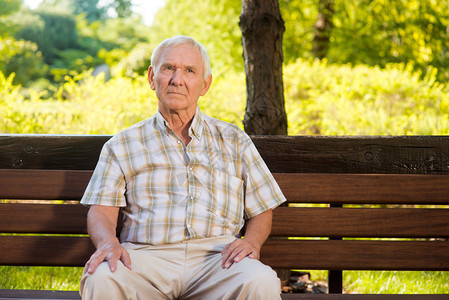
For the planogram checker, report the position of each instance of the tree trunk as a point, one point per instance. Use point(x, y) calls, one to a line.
point(323, 28)
point(262, 31)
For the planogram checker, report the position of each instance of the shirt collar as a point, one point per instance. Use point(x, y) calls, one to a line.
point(195, 130)
point(197, 126)
point(161, 123)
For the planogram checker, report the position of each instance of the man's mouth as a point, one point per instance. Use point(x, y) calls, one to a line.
point(176, 93)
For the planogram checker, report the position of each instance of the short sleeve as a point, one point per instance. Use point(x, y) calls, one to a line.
point(262, 191)
point(107, 185)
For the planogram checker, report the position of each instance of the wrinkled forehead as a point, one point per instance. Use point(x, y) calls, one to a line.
point(183, 55)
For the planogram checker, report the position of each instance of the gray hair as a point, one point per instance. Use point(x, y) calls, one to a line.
point(182, 40)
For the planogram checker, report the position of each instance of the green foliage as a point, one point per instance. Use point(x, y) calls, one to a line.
point(90, 8)
point(136, 62)
point(115, 41)
point(81, 102)
point(122, 33)
point(122, 8)
point(51, 31)
point(87, 105)
point(9, 6)
point(321, 98)
point(226, 99)
point(72, 46)
point(328, 99)
point(73, 62)
point(112, 57)
point(61, 6)
point(90, 38)
point(379, 32)
point(374, 32)
point(10, 119)
point(299, 20)
point(21, 58)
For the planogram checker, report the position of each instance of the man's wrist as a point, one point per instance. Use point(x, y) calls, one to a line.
point(256, 244)
point(108, 243)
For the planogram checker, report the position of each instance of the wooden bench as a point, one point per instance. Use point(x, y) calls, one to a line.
point(406, 178)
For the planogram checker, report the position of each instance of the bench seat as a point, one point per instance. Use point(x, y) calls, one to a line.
point(354, 203)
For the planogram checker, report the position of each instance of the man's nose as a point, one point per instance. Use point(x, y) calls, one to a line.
point(177, 77)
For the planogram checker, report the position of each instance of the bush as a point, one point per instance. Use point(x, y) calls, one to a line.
point(136, 62)
point(329, 99)
point(321, 98)
point(11, 119)
point(51, 31)
point(21, 58)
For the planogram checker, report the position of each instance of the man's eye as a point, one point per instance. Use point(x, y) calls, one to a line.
point(189, 70)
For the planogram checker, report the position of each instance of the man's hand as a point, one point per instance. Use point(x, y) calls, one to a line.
point(101, 225)
point(257, 230)
point(110, 252)
point(238, 250)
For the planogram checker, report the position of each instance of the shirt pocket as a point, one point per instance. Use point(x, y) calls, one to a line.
point(223, 196)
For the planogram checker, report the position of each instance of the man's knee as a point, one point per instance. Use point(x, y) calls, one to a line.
point(264, 277)
point(102, 273)
point(102, 282)
point(260, 281)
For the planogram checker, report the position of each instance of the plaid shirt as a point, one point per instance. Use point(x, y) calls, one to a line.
point(171, 192)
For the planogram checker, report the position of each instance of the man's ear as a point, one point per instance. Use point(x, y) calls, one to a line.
point(151, 78)
point(206, 85)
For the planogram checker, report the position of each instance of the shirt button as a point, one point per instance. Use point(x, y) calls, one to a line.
point(179, 142)
point(191, 169)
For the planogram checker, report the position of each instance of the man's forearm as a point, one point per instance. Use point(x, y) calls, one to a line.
point(258, 228)
point(102, 224)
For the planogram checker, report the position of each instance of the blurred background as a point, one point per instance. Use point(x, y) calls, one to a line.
point(362, 67)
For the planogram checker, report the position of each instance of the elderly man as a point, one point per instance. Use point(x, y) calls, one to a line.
point(186, 184)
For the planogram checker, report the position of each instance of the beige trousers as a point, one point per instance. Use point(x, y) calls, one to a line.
point(185, 270)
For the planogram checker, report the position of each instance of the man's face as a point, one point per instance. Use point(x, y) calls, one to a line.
point(178, 79)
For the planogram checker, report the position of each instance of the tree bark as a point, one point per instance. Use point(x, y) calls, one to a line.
point(323, 28)
point(262, 29)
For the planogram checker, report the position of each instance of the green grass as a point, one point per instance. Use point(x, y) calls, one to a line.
point(396, 282)
point(362, 282)
point(40, 278)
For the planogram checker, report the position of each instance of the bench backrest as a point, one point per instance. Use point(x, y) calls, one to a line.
point(355, 203)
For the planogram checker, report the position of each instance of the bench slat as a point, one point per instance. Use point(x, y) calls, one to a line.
point(43, 218)
point(287, 221)
point(356, 255)
point(290, 154)
point(371, 222)
point(36, 294)
point(301, 254)
point(44, 151)
point(365, 188)
point(70, 251)
point(317, 188)
point(355, 154)
point(43, 184)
